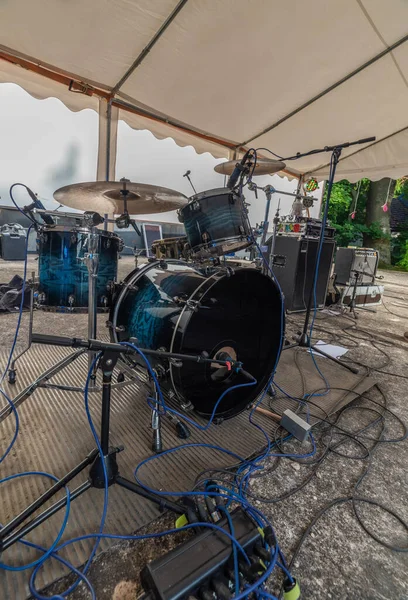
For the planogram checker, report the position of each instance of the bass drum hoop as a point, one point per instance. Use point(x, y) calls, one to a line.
point(207, 283)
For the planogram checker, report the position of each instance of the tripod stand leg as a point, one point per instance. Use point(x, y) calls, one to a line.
point(162, 502)
point(24, 394)
point(34, 506)
point(46, 514)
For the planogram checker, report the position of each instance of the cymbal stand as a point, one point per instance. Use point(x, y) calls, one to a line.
point(91, 260)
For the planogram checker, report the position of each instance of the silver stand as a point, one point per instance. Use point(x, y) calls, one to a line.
point(268, 193)
point(157, 444)
point(274, 234)
point(12, 369)
point(92, 262)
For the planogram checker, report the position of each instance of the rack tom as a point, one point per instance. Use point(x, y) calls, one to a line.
point(216, 223)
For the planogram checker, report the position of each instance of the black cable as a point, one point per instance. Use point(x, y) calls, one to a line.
point(34, 221)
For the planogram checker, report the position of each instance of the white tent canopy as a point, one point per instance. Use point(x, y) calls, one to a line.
point(225, 75)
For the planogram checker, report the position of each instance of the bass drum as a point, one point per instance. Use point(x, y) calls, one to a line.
point(170, 305)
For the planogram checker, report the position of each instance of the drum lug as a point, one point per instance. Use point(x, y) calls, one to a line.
point(110, 287)
point(41, 298)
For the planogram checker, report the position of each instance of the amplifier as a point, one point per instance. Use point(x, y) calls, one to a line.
point(352, 261)
point(364, 295)
point(12, 242)
point(293, 266)
point(305, 227)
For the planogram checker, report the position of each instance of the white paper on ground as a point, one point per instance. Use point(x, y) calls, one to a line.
point(331, 349)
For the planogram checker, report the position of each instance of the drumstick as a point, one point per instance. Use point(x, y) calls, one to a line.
point(268, 413)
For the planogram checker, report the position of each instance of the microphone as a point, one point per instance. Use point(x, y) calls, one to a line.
point(239, 167)
point(37, 204)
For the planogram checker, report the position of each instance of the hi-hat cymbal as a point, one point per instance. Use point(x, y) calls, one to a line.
point(264, 166)
point(106, 197)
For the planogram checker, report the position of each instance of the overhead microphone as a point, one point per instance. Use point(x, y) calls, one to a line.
point(36, 203)
point(239, 167)
point(187, 174)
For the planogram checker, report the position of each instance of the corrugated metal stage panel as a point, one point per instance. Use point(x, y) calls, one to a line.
point(55, 436)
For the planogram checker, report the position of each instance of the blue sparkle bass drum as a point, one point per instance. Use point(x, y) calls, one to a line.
point(63, 272)
point(216, 223)
point(172, 306)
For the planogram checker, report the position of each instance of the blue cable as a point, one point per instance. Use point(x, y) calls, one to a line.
point(64, 562)
point(40, 560)
point(175, 412)
point(233, 496)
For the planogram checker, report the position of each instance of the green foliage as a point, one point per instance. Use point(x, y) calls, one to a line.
point(401, 188)
point(399, 248)
point(352, 231)
point(342, 204)
point(403, 262)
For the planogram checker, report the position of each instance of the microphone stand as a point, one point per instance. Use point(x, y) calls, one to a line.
point(304, 340)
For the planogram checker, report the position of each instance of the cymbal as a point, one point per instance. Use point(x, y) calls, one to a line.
point(106, 197)
point(264, 166)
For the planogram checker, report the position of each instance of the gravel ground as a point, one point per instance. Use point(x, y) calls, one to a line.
point(338, 560)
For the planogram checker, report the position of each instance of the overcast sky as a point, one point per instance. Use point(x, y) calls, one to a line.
point(45, 145)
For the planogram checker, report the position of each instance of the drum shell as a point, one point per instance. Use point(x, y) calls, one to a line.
point(216, 222)
point(63, 272)
point(179, 309)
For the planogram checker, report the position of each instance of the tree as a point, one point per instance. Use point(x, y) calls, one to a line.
point(378, 233)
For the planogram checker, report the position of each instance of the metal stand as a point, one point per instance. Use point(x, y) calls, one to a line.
point(274, 234)
point(13, 531)
point(352, 304)
point(12, 370)
point(304, 340)
point(91, 260)
point(157, 444)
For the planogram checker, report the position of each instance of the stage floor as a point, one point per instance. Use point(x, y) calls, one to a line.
point(55, 435)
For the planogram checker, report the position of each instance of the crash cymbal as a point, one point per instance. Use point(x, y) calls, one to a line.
point(106, 197)
point(264, 166)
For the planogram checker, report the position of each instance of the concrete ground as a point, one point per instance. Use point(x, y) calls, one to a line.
point(338, 559)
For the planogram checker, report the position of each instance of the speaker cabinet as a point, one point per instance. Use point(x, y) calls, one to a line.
point(293, 267)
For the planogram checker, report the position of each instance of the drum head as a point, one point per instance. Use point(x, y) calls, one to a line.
point(241, 316)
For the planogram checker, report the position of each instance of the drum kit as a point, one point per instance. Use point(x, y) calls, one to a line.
point(186, 299)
